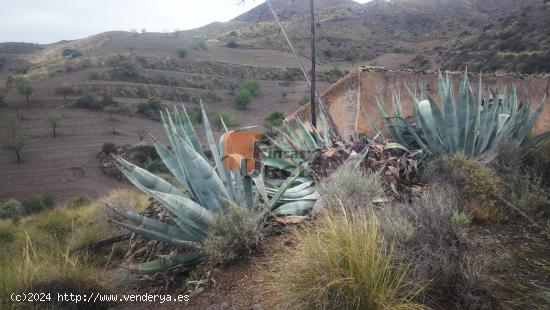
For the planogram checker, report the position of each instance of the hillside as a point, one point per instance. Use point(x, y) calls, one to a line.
point(130, 67)
point(519, 42)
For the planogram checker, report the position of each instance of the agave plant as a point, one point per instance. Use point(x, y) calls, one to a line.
point(203, 191)
point(296, 141)
point(469, 124)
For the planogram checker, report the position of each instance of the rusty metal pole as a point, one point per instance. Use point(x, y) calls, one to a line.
point(313, 90)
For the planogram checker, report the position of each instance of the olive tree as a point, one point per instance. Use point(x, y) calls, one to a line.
point(54, 122)
point(24, 88)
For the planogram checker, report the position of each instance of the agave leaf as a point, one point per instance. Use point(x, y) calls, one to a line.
point(307, 138)
point(185, 208)
point(396, 146)
point(325, 127)
point(535, 141)
point(524, 131)
point(222, 172)
point(169, 262)
point(428, 125)
point(275, 199)
point(388, 122)
point(206, 183)
point(157, 225)
point(191, 134)
point(171, 162)
point(143, 179)
point(290, 139)
point(159, 236)
point(294, 208)
point(279, 163)
point(296, 139)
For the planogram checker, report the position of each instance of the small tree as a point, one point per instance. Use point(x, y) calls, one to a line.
point(253, 86)
point(275, 119)
point(231, 86)
point(110, 109)
point(14, 143)
point(242, 98)
point(24, 88)
point(182, 53)
point(64, 89)
point(141, 133)
point(284, 94)
point(3, 93)
point(54, 122)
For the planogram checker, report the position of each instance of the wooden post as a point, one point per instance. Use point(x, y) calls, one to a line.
point(312, 91)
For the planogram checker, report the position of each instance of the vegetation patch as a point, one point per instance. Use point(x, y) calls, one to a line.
point(233, 235)
point(341, 262)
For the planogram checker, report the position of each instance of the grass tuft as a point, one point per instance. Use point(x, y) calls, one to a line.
point(340, 262)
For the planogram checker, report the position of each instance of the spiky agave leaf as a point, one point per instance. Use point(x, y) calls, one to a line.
point(207, 190)
point(169, 262)
point(470, 125)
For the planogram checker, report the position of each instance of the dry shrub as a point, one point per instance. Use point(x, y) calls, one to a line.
point(429, 235)
point(479, 186)
point(340, 262)
point(233, 235)
point(352, 187)
point(437, 252)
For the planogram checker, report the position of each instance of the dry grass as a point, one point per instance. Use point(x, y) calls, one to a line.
point(340, 262)
point(47, 252)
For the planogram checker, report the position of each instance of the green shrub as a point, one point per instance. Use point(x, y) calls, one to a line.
point(11, 209)
point(71, 53)
point(242, 98)
point(274, 119)
point(108, 148)
point(88, 101)
point(304, 100)
point(228, 119)
point(93, 75)
point(340, 262)
point(480, 187)
point(125, 67)
point(232, 44)
point(233, 234)
point(253, 86)
point(37, 204)
point(79, 201)
point(152, 105)
point(195, 113)
point(182, 53)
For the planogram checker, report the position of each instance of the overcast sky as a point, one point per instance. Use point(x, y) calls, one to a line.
point(47, 21)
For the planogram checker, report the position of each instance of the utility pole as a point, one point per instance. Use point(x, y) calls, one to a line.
point(313, 90)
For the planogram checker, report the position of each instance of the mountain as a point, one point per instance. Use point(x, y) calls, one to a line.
point(519, 42)
point(421, 34)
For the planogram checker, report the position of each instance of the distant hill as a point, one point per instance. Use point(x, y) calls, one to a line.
point(519, 42)
point(490, 35)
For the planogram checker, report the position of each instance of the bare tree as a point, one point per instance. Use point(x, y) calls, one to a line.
point(141, 133)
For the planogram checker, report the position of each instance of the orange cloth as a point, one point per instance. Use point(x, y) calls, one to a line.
point(238, 145)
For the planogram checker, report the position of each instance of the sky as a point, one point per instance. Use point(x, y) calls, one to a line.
point(48, 21)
